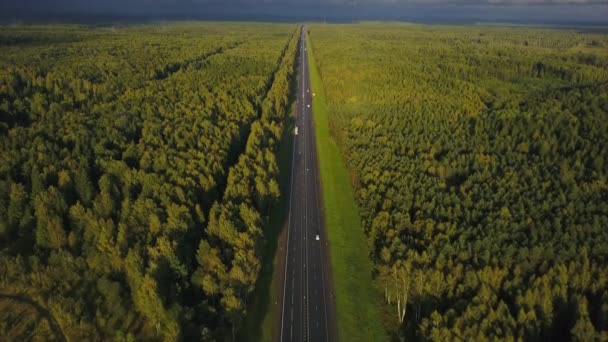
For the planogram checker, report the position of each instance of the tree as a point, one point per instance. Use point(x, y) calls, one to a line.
point(49, 209)
point(583, 329)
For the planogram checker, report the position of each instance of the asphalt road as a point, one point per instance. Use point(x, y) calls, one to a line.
point(307, 298)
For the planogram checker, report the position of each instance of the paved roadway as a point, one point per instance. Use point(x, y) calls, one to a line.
point(306, 304)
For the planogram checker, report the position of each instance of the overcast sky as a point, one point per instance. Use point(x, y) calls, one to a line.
point(535, 11)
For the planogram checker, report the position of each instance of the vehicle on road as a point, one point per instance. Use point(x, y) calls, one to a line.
point(317, 237)
point(295, 131)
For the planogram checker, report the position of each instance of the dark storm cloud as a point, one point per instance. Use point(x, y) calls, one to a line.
point(151, 4)
point(498, 2)
point(540, 11)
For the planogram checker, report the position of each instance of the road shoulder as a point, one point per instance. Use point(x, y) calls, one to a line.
point(355, 297)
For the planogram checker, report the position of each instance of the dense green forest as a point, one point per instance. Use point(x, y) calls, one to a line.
point(479, 158)
point(137, 168)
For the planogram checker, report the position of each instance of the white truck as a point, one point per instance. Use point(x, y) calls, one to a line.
point(295, 131)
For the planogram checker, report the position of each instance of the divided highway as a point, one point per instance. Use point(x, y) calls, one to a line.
point(307, 300)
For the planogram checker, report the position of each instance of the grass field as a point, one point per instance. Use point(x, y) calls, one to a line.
point(357, 300)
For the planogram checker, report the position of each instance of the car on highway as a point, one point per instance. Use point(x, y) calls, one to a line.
point(317, 237)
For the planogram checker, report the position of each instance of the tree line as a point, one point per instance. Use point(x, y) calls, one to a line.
point(116, 143)
point(229, 258)
point(479, 165)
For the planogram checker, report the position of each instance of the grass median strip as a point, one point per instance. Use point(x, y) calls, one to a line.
point(357, 311)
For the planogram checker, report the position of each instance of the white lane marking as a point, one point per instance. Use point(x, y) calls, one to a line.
point(321, 254)
point(306, 210)
point(293, 158)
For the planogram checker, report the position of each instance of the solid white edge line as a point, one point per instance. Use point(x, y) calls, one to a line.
point(320, 248)
point(306, 202)
point(293, 158)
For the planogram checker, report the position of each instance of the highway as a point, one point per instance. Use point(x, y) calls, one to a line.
point(307, 300)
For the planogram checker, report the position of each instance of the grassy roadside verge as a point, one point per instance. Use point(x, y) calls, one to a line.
point(262, 311)
point(358, 315)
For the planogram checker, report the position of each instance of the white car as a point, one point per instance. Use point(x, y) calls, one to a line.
point(317, 237)
point(308, 106)
point(295, 131)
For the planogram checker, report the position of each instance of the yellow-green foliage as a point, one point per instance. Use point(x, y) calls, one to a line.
point(115, 143)
point(478, 155)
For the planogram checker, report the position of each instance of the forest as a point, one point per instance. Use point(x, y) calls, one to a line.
point(137, 169)
point(479, 160)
